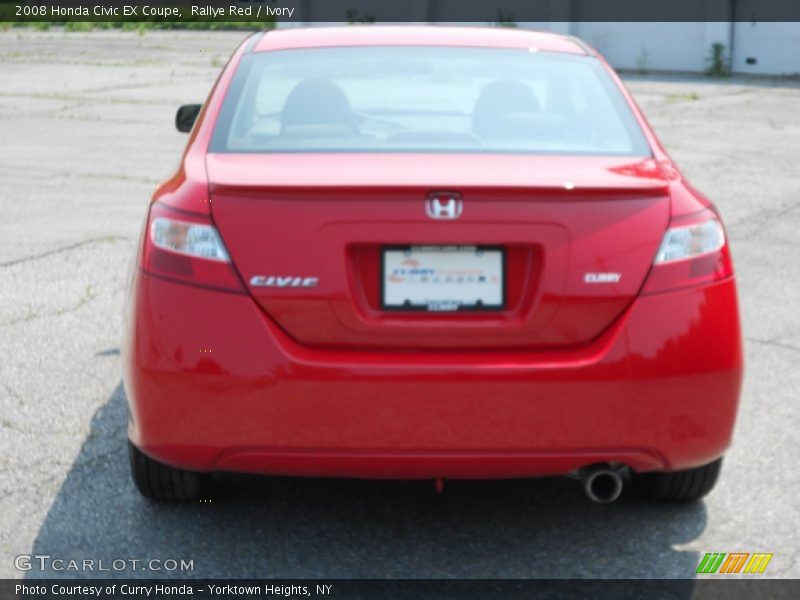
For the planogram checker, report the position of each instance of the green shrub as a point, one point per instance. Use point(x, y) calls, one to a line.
point(78, 26)
point(505, 20)
point(643, 62)
point(717, 61)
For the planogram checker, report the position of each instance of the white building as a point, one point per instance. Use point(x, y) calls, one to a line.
point(751, 45)
point(762, 48)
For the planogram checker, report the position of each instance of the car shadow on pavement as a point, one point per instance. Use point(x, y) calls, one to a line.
point(288, 527)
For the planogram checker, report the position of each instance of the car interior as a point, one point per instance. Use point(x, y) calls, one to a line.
point(506, 109)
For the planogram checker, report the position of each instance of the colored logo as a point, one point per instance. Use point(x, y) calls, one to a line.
point(410, 267)
point(734, 563)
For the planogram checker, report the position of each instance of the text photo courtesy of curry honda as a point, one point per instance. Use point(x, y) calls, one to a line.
point(389, 298)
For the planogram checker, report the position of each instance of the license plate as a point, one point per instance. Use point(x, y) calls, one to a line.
point(442, 278)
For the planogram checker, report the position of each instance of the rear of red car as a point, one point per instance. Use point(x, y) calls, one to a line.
point(445, 254)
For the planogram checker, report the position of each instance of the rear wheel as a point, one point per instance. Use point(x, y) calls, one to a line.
point(679, 486)
point(161, 482)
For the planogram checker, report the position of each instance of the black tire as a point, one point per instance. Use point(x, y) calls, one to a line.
point(163, 483)
point(679, 486)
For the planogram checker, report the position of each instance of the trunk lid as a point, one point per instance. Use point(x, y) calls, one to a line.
point(579, 235)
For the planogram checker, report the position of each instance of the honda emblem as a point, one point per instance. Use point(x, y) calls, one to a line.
point(443, 205)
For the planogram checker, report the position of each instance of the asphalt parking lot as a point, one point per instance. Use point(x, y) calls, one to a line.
point(86, 132)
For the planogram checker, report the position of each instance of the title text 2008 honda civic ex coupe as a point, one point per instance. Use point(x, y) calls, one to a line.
point(429, 252)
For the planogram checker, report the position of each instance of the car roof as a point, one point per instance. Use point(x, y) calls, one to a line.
point(379, 35)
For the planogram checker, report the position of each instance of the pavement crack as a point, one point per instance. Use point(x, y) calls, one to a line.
point(88, 295)
point(6, 424)
point(763, 216)
point(774, 343)
point(76, 245)
point(109, 352)
point(78, 98)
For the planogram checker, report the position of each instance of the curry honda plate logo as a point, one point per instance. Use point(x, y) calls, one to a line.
point(602, 277)
point(283, 282)
point(410, 267)
point(721, 563)
point(444, 205)
point(412, 271)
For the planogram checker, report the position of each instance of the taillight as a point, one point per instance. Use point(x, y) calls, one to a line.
point(186, 248)
point(693, 251)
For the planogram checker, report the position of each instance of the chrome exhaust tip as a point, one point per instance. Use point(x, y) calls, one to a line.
point(602, 484)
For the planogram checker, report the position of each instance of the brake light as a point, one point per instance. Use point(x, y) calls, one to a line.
point(186, 248)
point(190, 239)
point(694, 251)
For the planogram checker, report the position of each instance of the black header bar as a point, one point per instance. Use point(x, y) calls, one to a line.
point(265, 13)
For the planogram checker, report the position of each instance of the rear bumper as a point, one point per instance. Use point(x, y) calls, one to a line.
point(214, 384)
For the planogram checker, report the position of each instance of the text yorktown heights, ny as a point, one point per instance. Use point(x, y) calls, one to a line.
point(171, 590)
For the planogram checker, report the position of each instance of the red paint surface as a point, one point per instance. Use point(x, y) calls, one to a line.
point(321, 381)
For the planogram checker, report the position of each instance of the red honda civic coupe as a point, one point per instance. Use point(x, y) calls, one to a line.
point(429, 252)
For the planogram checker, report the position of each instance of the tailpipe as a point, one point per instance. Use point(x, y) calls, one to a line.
point(602, 483)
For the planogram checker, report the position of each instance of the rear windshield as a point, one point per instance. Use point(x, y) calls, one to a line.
point(425, 99)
